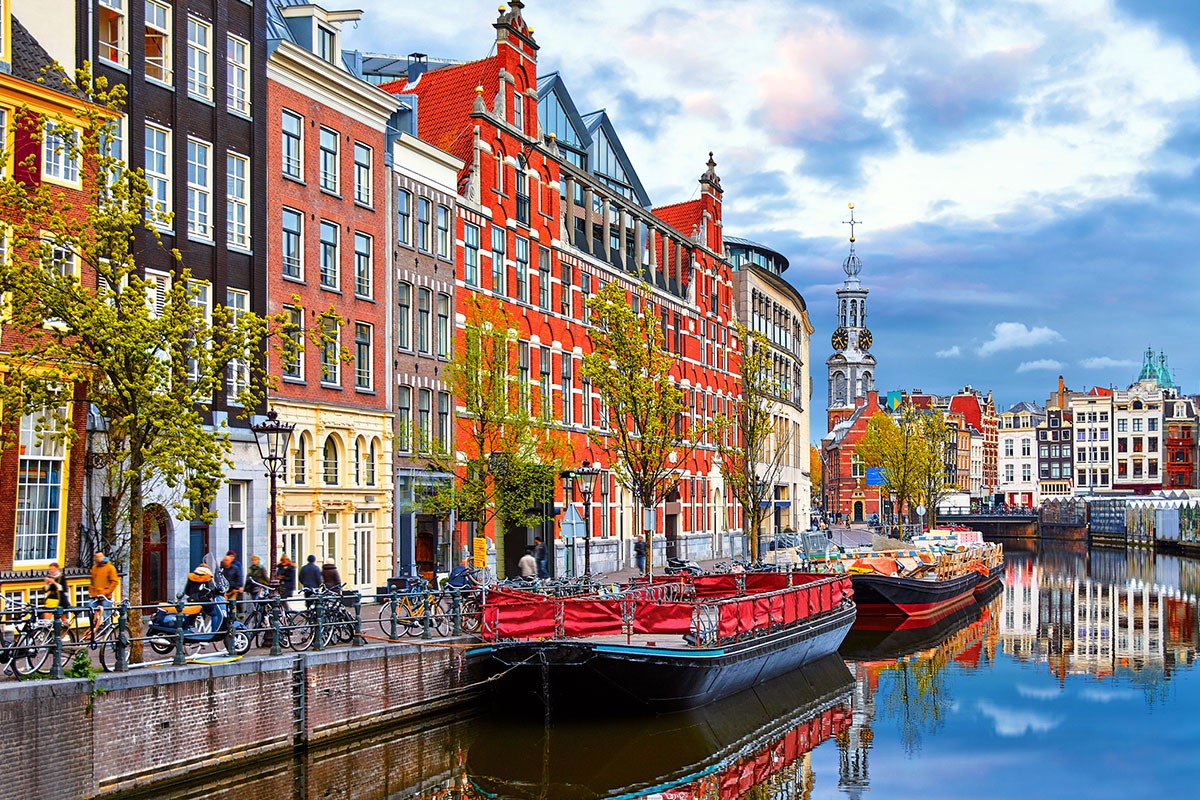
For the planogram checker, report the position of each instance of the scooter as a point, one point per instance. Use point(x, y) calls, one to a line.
point(679, 566)
point(203, 622)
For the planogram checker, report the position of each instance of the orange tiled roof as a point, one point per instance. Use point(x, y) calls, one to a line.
point(445, 97)
point(681, 216)
point(968, 406)
point(1100, 391)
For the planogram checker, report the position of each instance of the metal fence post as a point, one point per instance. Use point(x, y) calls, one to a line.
point(179, 659)
point(456, 605)
point(320, 643)
point(276, 650)
point(426, 627)
point(392, 602)
point(56, 666)
point(358, 640)
point(122, 644)
point(230, 619)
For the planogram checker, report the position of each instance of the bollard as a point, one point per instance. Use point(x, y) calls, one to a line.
point(426, 627)
point(56, 666)
point(320, 643)
point(358, 640)
point(275, 609)
point(457, 610)
point(122, 644)
point(392, 601)
point(179, 659)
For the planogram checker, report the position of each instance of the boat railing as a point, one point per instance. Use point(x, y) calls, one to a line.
point(752, 615)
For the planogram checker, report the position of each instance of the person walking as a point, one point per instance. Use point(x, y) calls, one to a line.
point(539, 555)
point(285, 574)
point(56, 590)
point(527, 565)
point(104, 584)
point(231, 568)
point(310, 574)
point(639, 552)
point(256, 578)
point(330, 576)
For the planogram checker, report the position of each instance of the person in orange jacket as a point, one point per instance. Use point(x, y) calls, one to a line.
point(105, 582)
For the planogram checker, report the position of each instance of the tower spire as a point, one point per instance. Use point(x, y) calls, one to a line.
point(1149, 370)
point(852, 265)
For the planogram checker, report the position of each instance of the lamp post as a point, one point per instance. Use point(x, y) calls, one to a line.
point(586, 475)
point(272, 437)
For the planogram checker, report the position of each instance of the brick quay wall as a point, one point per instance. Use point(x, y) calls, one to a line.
point(69, 739)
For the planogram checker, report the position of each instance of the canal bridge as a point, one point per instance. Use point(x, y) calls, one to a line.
point(1002, 524)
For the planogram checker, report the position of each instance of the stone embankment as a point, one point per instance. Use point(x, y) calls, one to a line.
point(73, 738)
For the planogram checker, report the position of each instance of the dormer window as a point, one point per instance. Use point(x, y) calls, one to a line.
point(326, 44)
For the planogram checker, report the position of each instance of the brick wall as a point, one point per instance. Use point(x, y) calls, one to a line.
point(162, 724)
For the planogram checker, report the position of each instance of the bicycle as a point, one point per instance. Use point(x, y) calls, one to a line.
point(328, 605)
point(295, 630)
point(412, 607)
point(31, 642)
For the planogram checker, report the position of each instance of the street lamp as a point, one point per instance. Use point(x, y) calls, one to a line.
point(586, 475)
point(272, 437)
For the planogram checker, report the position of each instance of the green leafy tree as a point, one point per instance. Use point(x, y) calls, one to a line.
point(509, 456)
point(150, 353)
point(643, 410)
point(897, 445)
point(935, 479)
point(758, 443)
point(816, 471)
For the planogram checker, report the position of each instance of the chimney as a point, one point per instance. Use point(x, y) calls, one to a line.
point(1062, 391)
point(418, 64)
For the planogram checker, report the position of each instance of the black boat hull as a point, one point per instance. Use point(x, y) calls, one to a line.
point(666, 677)
point(883, 595)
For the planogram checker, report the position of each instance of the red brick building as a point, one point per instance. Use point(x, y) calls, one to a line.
point(551, 211)
point(328, 206)
point(845, 476)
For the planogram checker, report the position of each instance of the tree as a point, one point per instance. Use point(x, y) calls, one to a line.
point(759, 440)
point(816, 471)
point(643, 411)
point(934, 479)
point(899, 447)
point(151, 354)
point(510, 456)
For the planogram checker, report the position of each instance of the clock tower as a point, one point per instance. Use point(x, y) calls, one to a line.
point(851, 367)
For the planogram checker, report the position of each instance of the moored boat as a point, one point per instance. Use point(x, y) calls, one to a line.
point(921, 582)
point(665, 646)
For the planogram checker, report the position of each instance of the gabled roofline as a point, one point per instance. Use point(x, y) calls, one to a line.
point(602, 121)
point(553, 82)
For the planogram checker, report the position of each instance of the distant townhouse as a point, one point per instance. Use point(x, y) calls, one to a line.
point(1018, 455)
point(1180, 422)
point(1092, 420)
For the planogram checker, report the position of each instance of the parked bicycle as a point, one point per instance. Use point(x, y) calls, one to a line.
point(407, 613)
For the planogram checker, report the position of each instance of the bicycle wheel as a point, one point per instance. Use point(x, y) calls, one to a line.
point(299, 631)
point(442, 610)
point(472, 614)
point(108, 650)
point(31, 650)
point(385, 618)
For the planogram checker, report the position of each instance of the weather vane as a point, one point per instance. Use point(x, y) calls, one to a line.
point(852, 221)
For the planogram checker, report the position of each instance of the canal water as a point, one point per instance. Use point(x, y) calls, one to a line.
point(1076, 679)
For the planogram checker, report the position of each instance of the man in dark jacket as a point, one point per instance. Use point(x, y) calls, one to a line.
point(231, 568)
point(310, 574)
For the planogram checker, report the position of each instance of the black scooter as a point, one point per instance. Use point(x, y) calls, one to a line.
point(203, 622)
point(679, 566)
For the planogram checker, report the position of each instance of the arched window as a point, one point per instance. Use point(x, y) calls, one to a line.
point(853, 313)
point(300, 462)
point(866, 383)
point(522, 191)
point(329, 462)
point(839, 388)
point(372, 455)
point(358, 461)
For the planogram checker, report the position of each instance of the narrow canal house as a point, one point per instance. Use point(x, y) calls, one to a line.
point(329, 206)
point(552, 210)
point(41, 480)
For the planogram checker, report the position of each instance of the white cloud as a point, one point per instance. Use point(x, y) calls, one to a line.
point(1010, 722)
point(1098, 695)
point(1105, 362)
point(952, 352)
point(1015, 335)
point(1039, 692)
point(1041, 365)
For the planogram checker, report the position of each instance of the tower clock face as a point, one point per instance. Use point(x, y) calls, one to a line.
point(864, 340)
point(840, 339)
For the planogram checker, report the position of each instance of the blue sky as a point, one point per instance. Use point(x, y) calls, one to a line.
point(1027, 172)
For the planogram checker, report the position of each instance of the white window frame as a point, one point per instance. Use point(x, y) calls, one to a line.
point(295, 328)
point(329, 178)
point(364, 356)
point(199, 186)
point(363, 537)
point(404, 419)
point(238, 370)
point(444, 232)
point(236, 506)
point(290, 261)
point(59, 165)
point(364, 264)
point(237, 200)
point(115, 49)
point(200, 58)
point(237, 75)
point(158, 285)
point(201, 299)
point(158, 172)
point(158, 69)
point(292, 145)
point(363, 172)
point(404, 316)
point(41, 511)
point(404, 212)
point(329, 253)
point(331, 354)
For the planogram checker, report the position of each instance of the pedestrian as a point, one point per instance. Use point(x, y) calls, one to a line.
point(104, 584)
point(527, 565)
point(330, 576)
point(539, 555)
point(639, 552)
point(256, 578)
point(231, 569)
point(310, 574)
point(285, 574)
point(56, 590)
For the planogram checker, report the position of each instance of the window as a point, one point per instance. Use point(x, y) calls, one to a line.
point(1008, 447)
point(547, 399)
point(238, 370)
point(113, 46)
point(292, 244)
point(158, 41)
point(361, 537)
point(404, 316)
point(424, 412)
point(40, 512)
point(329, 535)
point(237, 516)
point(1026, 472)
point(300, 461)
point(329, 462)
point(1008, 473)
point(564, 302)
point(237, 75)
point(199, 189)
point(329, 160)
point(471, 254)
point(329, 255)
point(1151, 424)
point(1122, 425)
point(326, 44)
point(499, 268)
point(518, 110)
point(293, 355)
point(424, 314)
point(443, 438)
point(544, 277)
point(522, 192)
point(523, 374)
point(403, 418)
point(443, 232)
point(58, 160)
point(201, 299)
point(586, 405)
point(585, 287)
point(363, 336)
point(443, 325)
point(292, 126)
point(372, 458)
point(237, 200)
point(363, 247)
point(568, 401)
point(404, 217)
point(199, 45)
point(362, 174)
point(521, 254)
point(423, 222)
point(330, 352)
point(858, 468)
point(158, 284)
point(1137, 424)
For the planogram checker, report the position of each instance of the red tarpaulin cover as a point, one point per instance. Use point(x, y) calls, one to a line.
point(662, 618)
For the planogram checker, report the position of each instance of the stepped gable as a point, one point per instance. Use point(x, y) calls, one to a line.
point(445, 97)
